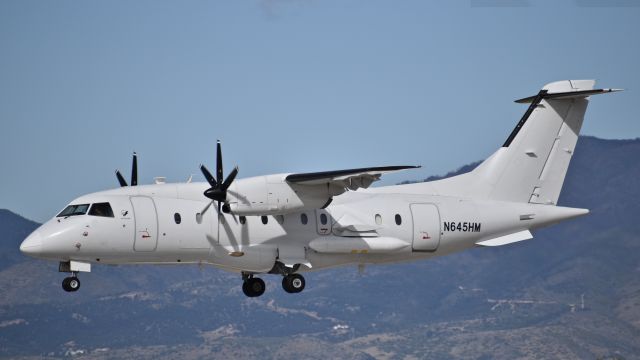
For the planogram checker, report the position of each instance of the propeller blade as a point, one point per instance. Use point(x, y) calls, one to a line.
point(134, 170)
point(219, 214)
point(121, 179)
point(230, 178)
point(208, 176)
point(219, 176)
point(219, 185)
point(206, 208)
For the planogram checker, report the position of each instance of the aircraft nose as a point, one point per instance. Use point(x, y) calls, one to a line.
point(32, 245)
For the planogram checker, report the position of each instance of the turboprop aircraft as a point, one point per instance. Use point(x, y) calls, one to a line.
point(287, 224)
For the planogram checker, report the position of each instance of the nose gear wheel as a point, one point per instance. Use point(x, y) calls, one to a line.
point(71, 284)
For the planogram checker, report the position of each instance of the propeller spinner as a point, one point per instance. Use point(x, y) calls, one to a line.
point(134, 173)
point(219, 185)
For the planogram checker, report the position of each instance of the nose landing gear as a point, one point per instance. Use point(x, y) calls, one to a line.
point(71, 283)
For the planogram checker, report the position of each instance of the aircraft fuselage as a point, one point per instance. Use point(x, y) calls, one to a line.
point(163, 224)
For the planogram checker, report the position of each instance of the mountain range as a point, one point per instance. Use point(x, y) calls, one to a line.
point(571, 292)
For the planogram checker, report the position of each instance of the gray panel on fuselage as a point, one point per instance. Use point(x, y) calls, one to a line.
point(146, 236)
point(426, 227)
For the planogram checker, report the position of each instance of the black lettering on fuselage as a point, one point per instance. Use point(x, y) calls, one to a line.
point(462, 226)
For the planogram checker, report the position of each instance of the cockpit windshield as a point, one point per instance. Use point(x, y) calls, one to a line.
point(72, 210)
point(101, 209)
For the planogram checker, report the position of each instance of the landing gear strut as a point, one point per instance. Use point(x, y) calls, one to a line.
point(71, 283)
point(293, 283)
point(252, 286)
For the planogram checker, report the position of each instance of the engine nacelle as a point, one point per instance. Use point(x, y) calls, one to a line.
point(272, 195)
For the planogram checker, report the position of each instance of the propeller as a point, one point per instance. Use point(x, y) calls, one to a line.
point(134, 173)
point(219, 185)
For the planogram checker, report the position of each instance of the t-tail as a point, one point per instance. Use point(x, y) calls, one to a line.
point(531, 165)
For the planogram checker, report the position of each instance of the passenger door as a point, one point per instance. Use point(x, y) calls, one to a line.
point(426, 227)
point(146, 220)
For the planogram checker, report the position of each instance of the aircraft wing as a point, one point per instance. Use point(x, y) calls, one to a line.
point(352, 179)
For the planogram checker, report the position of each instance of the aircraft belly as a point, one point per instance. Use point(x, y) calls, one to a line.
point(357, 245)
point(324, 261)
point(256, 258)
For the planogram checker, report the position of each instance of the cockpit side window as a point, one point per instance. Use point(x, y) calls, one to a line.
point(72, 210)
point(101, 209)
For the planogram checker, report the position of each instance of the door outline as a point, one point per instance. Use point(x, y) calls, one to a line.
point(430, 231)
point(150, 231)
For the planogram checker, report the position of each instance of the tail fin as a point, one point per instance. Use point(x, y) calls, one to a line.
point(532, 163)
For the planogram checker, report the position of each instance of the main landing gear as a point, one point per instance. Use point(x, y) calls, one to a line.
point(71, 283)
point(254, 287)
point(293, 283)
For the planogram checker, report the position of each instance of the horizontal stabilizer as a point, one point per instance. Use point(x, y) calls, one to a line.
point(565, 95)
point(507, 239)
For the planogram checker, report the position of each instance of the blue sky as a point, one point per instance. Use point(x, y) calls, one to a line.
point(288, 86)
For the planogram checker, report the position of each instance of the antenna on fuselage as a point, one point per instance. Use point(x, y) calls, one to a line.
point(134, 173)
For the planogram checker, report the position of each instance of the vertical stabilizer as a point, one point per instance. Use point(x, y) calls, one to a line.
point(532, 163)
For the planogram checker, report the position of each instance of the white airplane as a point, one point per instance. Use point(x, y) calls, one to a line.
point(287, 224)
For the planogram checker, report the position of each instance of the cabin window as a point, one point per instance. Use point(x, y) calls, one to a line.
point(177, 218)
point(323, 219)
point(378, 219)
point(304, 219)
point(398, 219)
point(101, 209)
point(243, 220)
point(72, 210)
point(265, 219)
